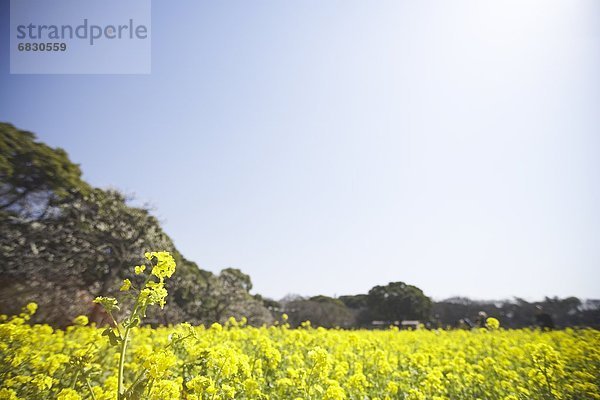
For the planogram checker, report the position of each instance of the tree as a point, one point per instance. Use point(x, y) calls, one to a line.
point(357, 304)
point(355, 301)
point(398, 301)
point(228, 295)
point(87, 244)
point(516, 313)
point(320, 311)
point(32, 174)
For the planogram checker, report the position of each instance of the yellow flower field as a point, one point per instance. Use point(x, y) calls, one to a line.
point(128, 361)
point(240, 362)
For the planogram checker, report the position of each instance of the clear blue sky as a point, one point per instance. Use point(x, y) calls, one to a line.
point(325, 147)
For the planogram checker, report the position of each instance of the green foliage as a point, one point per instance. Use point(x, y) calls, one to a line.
point(85, 244)
point(320, 311)
point(32, 174)
point(398, 301)
point(519, 313)
point(216, 297)
point(355, 302)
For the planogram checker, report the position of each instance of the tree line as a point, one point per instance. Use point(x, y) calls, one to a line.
point(396, 302)
point(63, 242)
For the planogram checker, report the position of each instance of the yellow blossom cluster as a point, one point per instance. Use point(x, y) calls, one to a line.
point(235, 361)
point(165, 264)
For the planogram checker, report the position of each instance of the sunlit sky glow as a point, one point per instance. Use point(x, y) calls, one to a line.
point(324, 147)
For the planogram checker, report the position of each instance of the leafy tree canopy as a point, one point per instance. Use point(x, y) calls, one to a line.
point(33, 174)
point(398, 301)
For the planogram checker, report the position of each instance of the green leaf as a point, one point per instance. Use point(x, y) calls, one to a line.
point(112, 337)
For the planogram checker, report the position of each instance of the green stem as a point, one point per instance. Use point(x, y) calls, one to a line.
point(75, 379)
point(309, 381)
point(115, 322)
point(150, 386)
point(87, 382)
point(122, 362)
point(125, 337)
point(217, 376)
